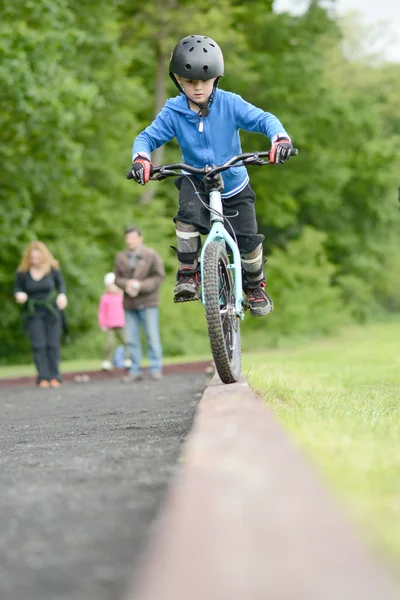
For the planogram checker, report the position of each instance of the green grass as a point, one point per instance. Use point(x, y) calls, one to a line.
point(339, 399)
point(88, 365)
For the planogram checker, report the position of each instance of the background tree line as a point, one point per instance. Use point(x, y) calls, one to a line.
point(78, 81)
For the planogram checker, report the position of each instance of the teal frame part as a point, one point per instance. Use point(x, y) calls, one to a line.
point(219, 234)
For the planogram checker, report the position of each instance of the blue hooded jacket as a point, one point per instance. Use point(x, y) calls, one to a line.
point(211, 140)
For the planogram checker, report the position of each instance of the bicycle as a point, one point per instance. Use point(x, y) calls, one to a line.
point(221, 277)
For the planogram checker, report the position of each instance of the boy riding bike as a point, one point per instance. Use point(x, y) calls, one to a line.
point(206, 121)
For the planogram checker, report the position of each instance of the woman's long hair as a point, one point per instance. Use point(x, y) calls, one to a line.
point(48, 260)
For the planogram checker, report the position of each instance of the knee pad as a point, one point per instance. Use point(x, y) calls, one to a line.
point(188, 243)
point(253, 262)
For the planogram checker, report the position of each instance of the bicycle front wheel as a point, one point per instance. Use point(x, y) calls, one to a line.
point(222, 322)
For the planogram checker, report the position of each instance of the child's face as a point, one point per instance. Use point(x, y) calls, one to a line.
point(197, 90)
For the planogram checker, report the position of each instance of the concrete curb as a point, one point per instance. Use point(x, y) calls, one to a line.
point(247, 518)
point(76, 376)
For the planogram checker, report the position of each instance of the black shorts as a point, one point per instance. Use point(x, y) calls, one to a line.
point(193, 212)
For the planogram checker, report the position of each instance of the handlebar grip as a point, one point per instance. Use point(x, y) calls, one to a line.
point(130, 176)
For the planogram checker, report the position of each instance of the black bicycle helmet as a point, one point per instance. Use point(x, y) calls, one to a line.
point(197, 57)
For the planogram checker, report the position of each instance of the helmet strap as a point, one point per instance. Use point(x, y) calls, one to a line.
point(203, 106)
point(176, 82)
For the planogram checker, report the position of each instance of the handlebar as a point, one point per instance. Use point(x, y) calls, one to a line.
point(247, 158)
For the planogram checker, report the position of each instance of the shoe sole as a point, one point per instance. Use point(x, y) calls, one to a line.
point(261, 312)
point(186, 294)
point(185, 299)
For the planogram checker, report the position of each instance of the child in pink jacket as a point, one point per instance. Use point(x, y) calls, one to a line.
point(112, 320)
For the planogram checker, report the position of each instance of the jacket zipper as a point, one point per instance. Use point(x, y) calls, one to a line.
point(207, 148)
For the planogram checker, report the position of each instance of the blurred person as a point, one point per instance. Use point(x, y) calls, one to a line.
point(139, 271)
point(40, 288)
point(111, 319)
point(206, 122)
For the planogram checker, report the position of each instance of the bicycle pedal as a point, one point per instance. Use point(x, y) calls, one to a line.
point(183, 299)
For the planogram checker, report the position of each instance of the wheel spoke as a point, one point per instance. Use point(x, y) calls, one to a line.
point(227, 318)
point(222, 320)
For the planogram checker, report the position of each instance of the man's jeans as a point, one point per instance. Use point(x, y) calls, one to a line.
point(148, 319)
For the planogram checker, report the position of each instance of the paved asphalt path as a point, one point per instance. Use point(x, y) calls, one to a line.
point(83, 471)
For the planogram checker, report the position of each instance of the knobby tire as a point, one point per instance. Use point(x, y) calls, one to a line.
point(222, 322)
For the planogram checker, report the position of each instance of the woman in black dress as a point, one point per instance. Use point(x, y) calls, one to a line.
point(40, 287)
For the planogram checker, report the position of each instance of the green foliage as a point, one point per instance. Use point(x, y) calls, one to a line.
point(78, 81)
point(64, 96)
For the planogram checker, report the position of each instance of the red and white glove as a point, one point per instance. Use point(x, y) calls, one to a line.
point(141, 170)
point(280, 150)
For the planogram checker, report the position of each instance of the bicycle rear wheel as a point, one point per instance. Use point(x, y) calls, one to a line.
point(222, 322)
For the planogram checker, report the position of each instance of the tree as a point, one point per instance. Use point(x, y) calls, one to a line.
point(79, 80)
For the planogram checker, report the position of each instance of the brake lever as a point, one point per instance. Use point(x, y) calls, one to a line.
point(163, 174)
point(256, 161)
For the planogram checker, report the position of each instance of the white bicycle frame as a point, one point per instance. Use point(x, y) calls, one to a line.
point(219, 234)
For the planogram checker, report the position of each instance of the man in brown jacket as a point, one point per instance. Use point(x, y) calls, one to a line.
point(139, 271)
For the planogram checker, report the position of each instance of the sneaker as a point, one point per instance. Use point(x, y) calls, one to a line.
point(54, 383)
point(259, 302)
point(106, 365)
point(131, 378)
point(156, 376)
point(127, 363)
point(44, 384)
point(187, 286)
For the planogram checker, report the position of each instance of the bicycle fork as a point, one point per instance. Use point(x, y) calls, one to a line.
point(219, 234)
